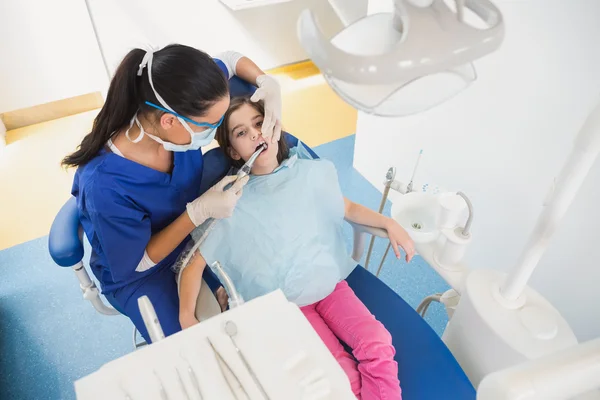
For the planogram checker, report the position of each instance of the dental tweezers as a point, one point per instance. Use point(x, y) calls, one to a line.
point(221, 361)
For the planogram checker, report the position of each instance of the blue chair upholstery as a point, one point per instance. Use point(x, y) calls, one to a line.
point(427, 369)
point(64, 242)
point(239, 87)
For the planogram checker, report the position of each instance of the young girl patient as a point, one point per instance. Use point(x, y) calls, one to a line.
point(286, 233)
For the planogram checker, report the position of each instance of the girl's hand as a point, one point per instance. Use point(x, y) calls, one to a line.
point(399, 237)
point(187, 320)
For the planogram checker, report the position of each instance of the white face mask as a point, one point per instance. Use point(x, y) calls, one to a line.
point(197, 139)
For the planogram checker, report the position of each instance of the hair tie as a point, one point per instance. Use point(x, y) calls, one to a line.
point(145, 61)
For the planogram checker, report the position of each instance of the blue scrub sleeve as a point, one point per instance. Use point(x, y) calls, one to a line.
point(123, 231)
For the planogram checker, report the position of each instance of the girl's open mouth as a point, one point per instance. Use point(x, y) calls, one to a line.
point(261, 144)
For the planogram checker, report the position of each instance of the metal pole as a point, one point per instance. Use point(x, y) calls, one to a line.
point(389, 179)
point(102, 55)
point(387, 250)
point(383, 200)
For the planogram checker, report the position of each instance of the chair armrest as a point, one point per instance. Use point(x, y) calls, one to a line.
point(371, 230)
point(360, 237)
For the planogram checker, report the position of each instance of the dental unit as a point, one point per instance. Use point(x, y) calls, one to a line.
point(501, 331)
point(510, 341)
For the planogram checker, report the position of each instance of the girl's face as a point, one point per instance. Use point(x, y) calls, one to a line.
point(244, 130)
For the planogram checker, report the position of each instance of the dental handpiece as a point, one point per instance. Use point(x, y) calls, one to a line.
point(245, 170)
point(235, 298)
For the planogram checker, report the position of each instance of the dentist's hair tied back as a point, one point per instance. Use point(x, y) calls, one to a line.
point(186, 78)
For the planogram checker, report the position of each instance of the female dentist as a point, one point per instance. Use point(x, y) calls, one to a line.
point(139, 170)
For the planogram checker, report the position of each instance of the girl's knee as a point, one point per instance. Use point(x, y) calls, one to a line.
point(381, 335)
point(379, 349)
point(378, 342)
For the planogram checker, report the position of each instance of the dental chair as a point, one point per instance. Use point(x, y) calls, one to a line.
point(427, 369)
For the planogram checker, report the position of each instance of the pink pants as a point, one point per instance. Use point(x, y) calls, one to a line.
point(342, 316)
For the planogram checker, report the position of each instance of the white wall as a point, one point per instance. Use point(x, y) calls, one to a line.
point(48, 50)
point(47, 53)
point(265, 34)
point(504, 139)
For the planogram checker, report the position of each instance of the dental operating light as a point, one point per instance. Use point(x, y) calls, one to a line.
point(406, 61)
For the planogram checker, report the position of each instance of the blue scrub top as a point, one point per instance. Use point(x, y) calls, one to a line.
point(122, 204)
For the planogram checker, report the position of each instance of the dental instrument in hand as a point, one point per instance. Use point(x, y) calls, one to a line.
point(247, 167)
point(410, 184)
point(221, 361)
point(244, 171)
point(231, 330)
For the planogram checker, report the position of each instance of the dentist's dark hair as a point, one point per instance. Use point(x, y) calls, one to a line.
point(186, 78)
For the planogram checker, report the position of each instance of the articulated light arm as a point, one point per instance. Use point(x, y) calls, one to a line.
point(377, 56)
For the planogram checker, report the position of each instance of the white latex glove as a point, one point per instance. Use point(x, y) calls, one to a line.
point(216, 202)
point(270, 92)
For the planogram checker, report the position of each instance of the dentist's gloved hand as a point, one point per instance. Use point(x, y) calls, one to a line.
point(216, 202)
point(270, 92)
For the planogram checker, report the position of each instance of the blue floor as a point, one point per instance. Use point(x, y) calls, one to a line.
point(50, 336)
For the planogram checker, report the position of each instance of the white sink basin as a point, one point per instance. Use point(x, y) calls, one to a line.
point(418, 213)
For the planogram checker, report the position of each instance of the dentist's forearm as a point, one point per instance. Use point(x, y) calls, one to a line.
point(365, 216)
point(248, 70)
point(162, 243)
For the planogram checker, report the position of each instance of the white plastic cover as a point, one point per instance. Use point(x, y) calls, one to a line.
point(402, 63)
